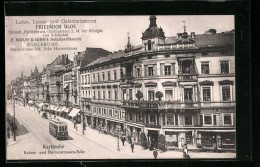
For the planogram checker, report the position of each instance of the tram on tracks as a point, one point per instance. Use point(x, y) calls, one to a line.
point(58, 129)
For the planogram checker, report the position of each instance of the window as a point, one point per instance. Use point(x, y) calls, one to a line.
point(94, 79)
point(170, 120)
point(224, 67)
point(205, 67)
point(176, 119)
point(168, 95)
point(150, 95)
point(227, 119)
point(152, 119)
point(226, 93)
point(130, 116)
point(124, 94)
point(94, 94)
point(88, 80)
point(188, 93)
point(115, 94)
point(121, 73)
point(201, 120)
point(98, 78)
point(103, 76)
point(206, 94)
point(115, 75)
point(149, 45)
point(167, 70)
point(110, 112)
point(138, 73)
point(208, 119)
point(188, 120)
point(130, 94)
point(215, 119)
point(99, 110)
point(109, 95)
point(108, 75)
point(163, 119)
point(150, 71)
point(105, 111)
point(98, 94)
point(104, 95)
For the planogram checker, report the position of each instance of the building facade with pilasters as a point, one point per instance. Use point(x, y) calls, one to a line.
point(195, 74)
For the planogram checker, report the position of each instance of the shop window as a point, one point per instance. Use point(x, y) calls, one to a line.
point(206, 94)
point(167, 70)
point(171, 139)
point(150, 71)
point(188, 120)
point(168, 95)
point(226, 93)
point(224, 67)
point(227, 119)
point(205, 67)
point(208, 120)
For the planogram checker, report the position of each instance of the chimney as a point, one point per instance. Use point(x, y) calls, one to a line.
point(192, 34)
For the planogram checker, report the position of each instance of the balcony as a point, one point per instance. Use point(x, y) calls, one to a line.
point(106, 101)
point(126, 80)
point(160, 104)
point(187, 77)
point(218, 104)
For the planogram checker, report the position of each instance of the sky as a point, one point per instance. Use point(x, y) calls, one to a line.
point(112, 38)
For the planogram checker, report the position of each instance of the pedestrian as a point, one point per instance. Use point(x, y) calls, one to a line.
point(155, 153)
point(8, 132)
point(132, 147)
point(123, 140)
point(185, 152)
point(76, 127)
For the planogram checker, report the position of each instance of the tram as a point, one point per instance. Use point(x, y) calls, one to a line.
point(58, 129)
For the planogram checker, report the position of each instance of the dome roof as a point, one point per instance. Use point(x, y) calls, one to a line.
point(153, 30)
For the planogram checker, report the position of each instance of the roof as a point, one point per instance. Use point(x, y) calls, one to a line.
point(153, 32)
point(92, 54)
point(113, 56)
point(214, 39)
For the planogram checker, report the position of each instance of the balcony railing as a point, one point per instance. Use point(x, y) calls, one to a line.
point(218, 104)
point(106, 101)
point(187, 77)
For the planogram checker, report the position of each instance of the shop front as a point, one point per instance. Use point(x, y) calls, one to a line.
point(175, 139)
point(216, 140)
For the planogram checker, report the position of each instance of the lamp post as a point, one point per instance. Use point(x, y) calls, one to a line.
point(118, 132)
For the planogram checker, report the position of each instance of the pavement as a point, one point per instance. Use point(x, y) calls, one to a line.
point(96, 144)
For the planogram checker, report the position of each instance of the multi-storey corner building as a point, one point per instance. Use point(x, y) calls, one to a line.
point(187, 85)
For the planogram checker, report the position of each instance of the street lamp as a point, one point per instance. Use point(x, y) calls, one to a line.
point(118, 132)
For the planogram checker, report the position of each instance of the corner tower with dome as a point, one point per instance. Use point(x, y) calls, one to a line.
point(153, 36)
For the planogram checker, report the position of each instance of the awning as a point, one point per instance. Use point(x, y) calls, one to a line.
point(67, 110)
point(74, 112)
point(218, 130)
point(41, 104)
point(177, 130)
point(62, 109)
point(66, 86)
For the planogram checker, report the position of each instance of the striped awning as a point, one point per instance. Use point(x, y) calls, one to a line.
point(74, 112)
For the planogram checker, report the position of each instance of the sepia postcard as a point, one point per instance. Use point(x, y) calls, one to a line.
point(120, 87)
